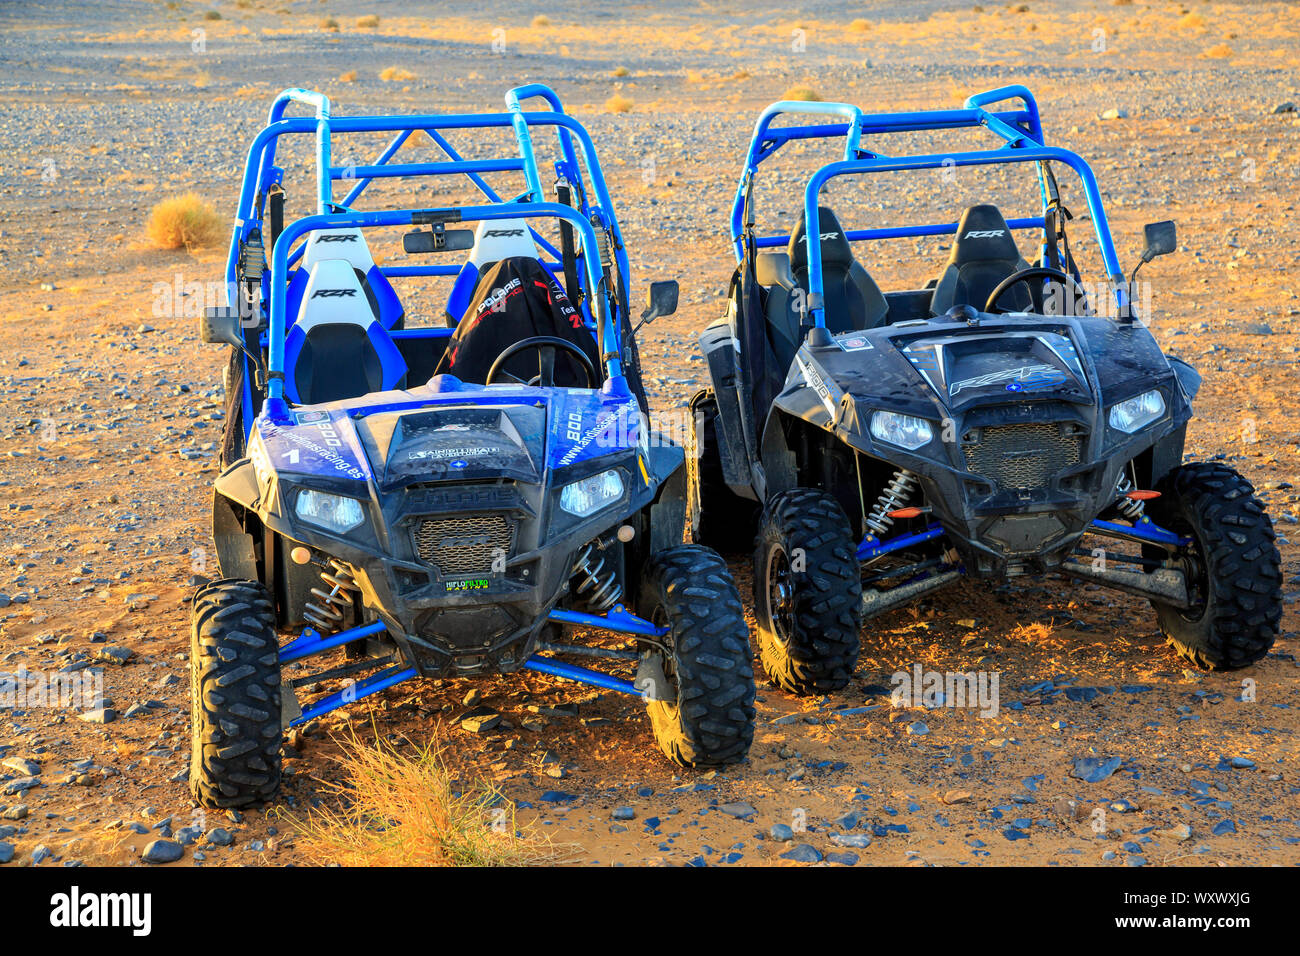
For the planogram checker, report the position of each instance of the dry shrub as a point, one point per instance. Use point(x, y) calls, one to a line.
point(403, 810)
point(618, 104)
point(541, 20)
point(184, 222)
point(859, 26)
point(368, 22)
point(1220, 51)
point(349, 77)
point(804, 94)
point(620, 71)
point(396, 74)
point(329, 23)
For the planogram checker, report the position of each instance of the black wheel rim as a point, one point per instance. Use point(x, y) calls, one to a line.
point(780, 594)
point(668, 656)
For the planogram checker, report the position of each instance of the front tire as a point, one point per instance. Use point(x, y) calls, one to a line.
point(1233, 568)
point(807, 593)
point(708, 719)
point(235, 727)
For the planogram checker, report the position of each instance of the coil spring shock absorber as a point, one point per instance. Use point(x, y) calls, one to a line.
point(1128, 507)
point(327, 615)
point(596, 579)
point(895, 494)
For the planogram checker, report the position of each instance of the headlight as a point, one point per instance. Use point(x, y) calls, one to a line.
point(588, 495)
point(901, 430)
point(332, 512)
point(1129, 416)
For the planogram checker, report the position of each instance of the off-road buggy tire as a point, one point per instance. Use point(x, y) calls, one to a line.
point(719, 518)
point(710, 665)
point(235, 727)
point(808, 644)
point(1242, 610)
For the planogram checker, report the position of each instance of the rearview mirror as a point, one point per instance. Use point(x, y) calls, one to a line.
point(1161, 237)
point(662, 298)
point(220, 326)
point(442, 240)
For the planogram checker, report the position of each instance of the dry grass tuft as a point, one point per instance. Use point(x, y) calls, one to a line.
point(396, 74)
point(541, 20)
point(329, 23)
point(804, 94)
point(859, 26)
point(405, 811)
point(184, 222)
point(368, 22)
point(1220, 51)
point(620, 71)
point(349, 77)
point(618, 104)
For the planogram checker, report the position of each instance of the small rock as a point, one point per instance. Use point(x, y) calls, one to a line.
point(473, 697)
point(104, 715)
point(163, 851)
point(480, 724)
point(859, 841)
point(958, 796)
point(624, 813)
point(17, 812)
point(28, 768)
point(21, 784)
point(803, 853)
point(112, 655)
point(1180, 832)
point(1287, 107)
point(218, 836)
point(738, 809)
point(781, 833)
point(6, 852)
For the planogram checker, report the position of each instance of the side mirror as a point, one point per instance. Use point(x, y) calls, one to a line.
point(661, 300)
point(1161, 238)
point(221, 326)
point(438, 240)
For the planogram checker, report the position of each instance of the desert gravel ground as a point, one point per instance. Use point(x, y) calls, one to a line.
point(110, 417)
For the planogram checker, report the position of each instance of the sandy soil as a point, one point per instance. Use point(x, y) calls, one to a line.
point(110, 415)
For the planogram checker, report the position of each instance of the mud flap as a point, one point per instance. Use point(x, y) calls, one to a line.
point(290, 709)
point(651, 680)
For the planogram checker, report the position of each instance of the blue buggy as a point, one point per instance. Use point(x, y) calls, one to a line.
point(1002, 421)
point(416, 499)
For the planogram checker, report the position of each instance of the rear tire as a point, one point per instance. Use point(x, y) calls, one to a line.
point(719, 518)
point(1233, 567)
point(709, 665)
point(234, 696)
point(807, 593)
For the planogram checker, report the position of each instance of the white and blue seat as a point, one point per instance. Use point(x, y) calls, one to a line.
point(337, 348)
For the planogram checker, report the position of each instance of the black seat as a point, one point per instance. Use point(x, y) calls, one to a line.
point(517, 299)
point(853, 301)
point(982, 256)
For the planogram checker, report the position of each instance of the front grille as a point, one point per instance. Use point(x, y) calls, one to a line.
point(1022, 456)
point(465, 544)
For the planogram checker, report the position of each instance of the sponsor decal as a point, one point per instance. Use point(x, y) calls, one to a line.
point(984, 233)
point(338, 237)
point(333, 293)
point(501, 233)
point(855, 344)
point(470, 584)
point(443, 454)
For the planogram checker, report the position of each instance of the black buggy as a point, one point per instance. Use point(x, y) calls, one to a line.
point(1002, 421)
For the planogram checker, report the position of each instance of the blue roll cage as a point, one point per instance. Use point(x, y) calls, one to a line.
point(1019, 129)
point(595, 209)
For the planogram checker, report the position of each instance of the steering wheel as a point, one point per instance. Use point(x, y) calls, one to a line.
point(1033, 272)
point(546, 346)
